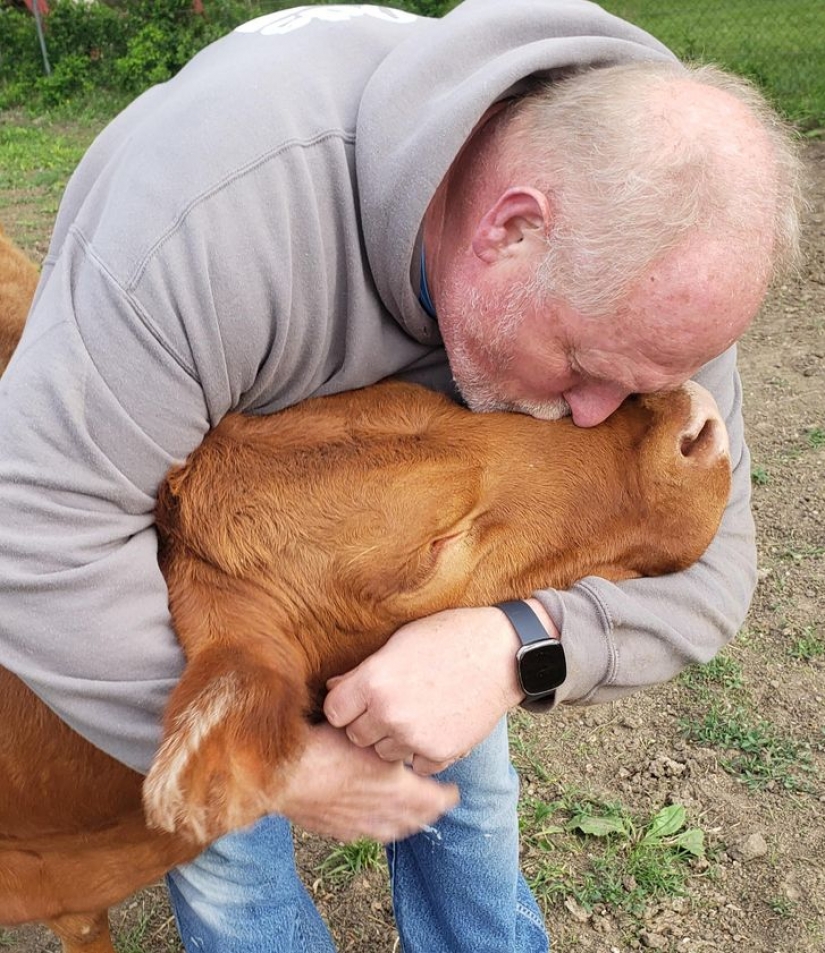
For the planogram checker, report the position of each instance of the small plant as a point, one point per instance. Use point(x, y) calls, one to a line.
point(348, 860)
point(816, 437)
point(649, 864)
point(759, 476)
point(808, 646)
point(782, 907)
point(629, 863)
point(722, 670)
point(763, 756)
point(132, 940)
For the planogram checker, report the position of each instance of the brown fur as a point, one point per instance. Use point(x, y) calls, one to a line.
point(18, 279)
point(293, 546)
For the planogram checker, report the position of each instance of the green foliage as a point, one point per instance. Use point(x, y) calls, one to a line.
point(348, 860)
point(807, 646)
point(630, 862)
point(816, 437)
point(722, 671)
point(760, 755)
point(760, 476)
point(94, 46)
point(127, 46)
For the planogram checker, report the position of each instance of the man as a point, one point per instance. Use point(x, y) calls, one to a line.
point(327, 197)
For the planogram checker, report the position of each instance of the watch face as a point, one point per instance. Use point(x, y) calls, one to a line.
point(541, 667)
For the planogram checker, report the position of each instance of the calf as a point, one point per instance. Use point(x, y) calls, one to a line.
point(293, 546)
point(18, 279)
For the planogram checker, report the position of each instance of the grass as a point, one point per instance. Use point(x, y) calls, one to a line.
point(631, 861)
point(816, 437)
point(760, 476)
point(42, 154)
point(778, 46)
point(722, 671)
point(348, 860)
point(760, 756)
point(808, 646)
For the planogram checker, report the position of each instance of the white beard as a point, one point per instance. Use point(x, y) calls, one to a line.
point(477, 358)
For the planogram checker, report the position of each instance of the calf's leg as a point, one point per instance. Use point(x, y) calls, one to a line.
point(83, 932)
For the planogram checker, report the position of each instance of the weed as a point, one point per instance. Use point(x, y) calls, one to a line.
point(629, 863)
point(722, 670)
point(808, 646)
point(760, 476)
point(348, 860)
point(799, 553)
point(816, 437)
point(782, 907)
point(132, 940)
point(763, 756)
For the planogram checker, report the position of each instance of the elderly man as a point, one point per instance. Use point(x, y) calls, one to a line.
point(530, 204)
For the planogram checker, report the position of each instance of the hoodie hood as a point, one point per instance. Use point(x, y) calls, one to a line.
point(422, 103)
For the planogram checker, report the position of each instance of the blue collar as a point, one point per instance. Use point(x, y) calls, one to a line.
point(424, 290)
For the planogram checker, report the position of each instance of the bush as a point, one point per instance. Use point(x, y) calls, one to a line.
point(122, 48)
point(72, 76)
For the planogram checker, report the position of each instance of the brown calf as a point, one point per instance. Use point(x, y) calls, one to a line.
point(18, 279)
point(294, 545)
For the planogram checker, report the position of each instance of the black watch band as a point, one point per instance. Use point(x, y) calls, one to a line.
point(540, 662)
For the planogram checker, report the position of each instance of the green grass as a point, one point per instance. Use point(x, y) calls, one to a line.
point(759, 755)
point(808, 646)
point(815, 437)
point(40, 156)
point(723, 671)
point(760, 476)
point(778, 45)
point(631, 861)
point(348, 860)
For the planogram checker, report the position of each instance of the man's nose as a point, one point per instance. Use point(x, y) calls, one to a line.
point(592, 403)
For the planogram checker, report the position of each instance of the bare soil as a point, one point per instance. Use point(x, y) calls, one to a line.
point(761, 886)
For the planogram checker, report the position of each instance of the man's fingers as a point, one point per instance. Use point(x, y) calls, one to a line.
point(422, 765)
point(389, 750)
point(364, 733)
point(345, 701)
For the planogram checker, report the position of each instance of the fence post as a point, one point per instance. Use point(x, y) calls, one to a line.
point(35, 8)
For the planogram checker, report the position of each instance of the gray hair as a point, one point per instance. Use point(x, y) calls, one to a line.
point(629, 180)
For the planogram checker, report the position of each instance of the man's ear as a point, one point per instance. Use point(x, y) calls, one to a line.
point(518, 217)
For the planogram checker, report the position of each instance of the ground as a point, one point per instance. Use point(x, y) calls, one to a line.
point(739, 745)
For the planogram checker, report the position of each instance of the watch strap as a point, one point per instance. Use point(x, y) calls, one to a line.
point(529, 630)
point(524, 621)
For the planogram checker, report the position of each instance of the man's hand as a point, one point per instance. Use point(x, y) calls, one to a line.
point(434, 691)
point(346, 792)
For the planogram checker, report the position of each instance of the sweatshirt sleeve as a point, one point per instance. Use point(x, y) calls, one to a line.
point(96, 405)
point(619, 638)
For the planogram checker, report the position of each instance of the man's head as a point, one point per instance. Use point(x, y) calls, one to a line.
point(607, 235)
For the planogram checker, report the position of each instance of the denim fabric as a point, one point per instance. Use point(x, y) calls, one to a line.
point(456, 886)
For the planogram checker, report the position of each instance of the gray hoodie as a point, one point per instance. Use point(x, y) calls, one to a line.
point(241, 238)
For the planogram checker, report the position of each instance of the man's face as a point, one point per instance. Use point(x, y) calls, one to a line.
point(510, 351)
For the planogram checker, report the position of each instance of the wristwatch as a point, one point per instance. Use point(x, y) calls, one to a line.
point(540, 662)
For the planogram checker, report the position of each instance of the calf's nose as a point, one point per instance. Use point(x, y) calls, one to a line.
point(704, 438)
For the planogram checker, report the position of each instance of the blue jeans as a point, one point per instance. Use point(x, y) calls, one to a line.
point(456, 886)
